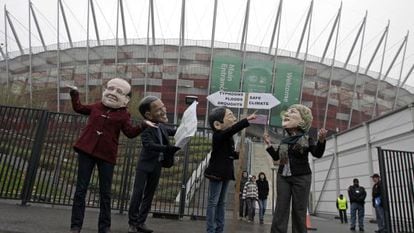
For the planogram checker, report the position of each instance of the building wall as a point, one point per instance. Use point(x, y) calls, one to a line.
point(356, 153)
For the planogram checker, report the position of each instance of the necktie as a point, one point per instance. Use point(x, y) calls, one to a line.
point(159, 135)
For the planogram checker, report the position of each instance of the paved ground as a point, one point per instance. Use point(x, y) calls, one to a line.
point(35, 218)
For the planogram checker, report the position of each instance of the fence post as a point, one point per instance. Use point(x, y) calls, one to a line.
point(35, 157)
point(183, 192)
point(125, 177)
point(384, 189)
point(274, 175)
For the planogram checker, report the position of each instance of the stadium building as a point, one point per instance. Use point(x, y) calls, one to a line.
point(340, 95)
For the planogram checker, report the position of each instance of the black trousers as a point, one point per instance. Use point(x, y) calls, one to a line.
point(242, 207)
point(342, 216)
point(86, 164)
point(144, 188)
point(295, 190)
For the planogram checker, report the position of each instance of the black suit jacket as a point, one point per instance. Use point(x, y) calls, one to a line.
point(152, 147)
point(298, 159)
point(223, 153)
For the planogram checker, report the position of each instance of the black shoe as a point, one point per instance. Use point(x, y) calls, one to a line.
point(143, 228)
point(361, 229)
point(352, 229)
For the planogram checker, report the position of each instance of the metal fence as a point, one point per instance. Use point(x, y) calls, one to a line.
point(38, 164)
point(397, 174)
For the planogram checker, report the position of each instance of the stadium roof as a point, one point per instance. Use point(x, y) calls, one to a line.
point(336, 29)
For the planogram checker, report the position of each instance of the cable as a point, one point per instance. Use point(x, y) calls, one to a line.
point(130, 17)
point(346, 37)
point(230, 26)
point(349, 34)
point(296, 27)
point(159, 20)
point(27, 29)
point(172, 11)
point(106, 21)
point(369, 43)
point(270, 18)
point(74, 16)
point(195, 16)
point(44, 17)
point(320, 34)
point(395, 44)
point(8, 36)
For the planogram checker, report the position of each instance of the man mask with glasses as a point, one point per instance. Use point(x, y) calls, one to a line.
point(97, 145)
point(116, 94)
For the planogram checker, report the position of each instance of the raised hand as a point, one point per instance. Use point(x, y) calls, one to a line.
point(75, 88)
point(322, 135)
point(266, 139)
point(150, 123)
point(251, 116)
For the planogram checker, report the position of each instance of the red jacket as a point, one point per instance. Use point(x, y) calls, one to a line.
point(99, 138)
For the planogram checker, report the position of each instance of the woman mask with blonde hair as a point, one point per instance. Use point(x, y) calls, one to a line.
point(294, 174)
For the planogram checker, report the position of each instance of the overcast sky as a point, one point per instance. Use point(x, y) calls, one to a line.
point(230, 18)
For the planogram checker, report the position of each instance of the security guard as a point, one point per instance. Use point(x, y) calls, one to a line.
point(342, 206)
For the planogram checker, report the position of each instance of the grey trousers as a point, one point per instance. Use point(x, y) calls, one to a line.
point(295, 189)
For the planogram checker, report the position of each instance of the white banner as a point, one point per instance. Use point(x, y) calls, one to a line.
point(236, 100)
point(188, 126)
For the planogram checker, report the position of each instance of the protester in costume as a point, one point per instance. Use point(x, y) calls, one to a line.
point(98, 145)
point(220, 169)
point(294, 174)
point(156, 153)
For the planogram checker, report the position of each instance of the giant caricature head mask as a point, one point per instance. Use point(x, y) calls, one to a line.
point(297, 116)
point(221, 118)
point(116, 94)
point(153, 109)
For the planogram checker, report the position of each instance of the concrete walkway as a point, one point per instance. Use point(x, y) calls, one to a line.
point(35, 218)
point(262, 162)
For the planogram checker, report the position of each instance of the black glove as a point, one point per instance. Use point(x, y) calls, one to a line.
point(172, 149)
point(234, 155)
point(73, 92)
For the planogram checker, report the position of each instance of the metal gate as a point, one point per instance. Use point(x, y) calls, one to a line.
point(397, 174)
point(38, 164)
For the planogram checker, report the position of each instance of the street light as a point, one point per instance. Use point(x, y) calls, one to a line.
point(189, 99)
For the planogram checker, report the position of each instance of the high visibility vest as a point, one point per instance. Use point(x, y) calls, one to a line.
point(342, 203)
